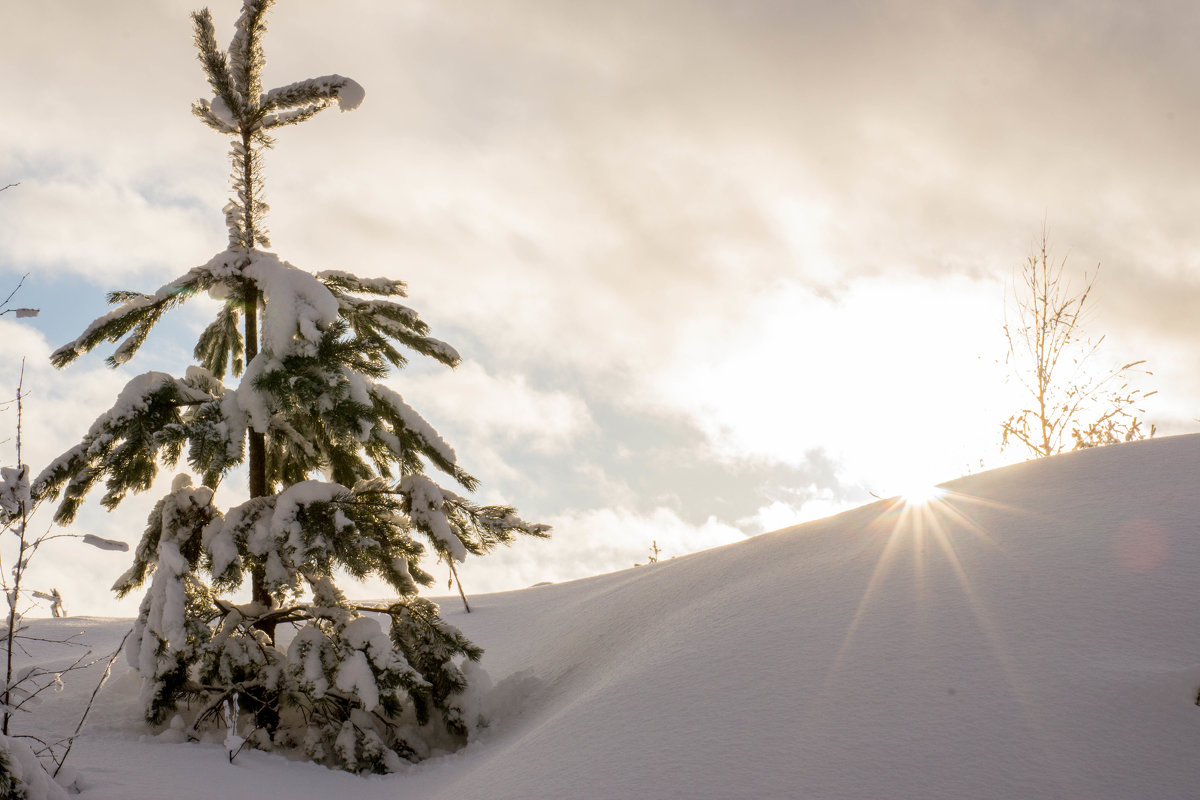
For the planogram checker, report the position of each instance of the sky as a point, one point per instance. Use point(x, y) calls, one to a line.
point(714, 268)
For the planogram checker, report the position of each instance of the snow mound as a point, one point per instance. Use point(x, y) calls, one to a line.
point(1033, 634)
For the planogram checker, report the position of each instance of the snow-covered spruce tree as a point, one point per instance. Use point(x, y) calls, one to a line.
point(336, 463)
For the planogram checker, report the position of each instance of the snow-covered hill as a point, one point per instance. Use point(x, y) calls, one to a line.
point(1033, 634)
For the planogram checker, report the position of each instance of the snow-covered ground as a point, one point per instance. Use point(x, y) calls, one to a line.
point(1033, 634)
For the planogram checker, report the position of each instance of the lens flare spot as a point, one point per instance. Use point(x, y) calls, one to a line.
point(1140, 545)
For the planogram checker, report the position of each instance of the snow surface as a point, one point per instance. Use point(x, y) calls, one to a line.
point(14, 490)
point(105, 544)
point(1034, 635)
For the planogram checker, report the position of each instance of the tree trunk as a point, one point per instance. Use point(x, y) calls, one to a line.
point(258, 460)
point(266, 714)
point(258, 441)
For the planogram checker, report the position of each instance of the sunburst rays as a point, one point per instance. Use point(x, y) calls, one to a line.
point(927, 522)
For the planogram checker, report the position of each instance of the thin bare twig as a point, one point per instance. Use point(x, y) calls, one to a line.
point(461, 593)
point(92, 701)
point(18, 570)
point(13, 293)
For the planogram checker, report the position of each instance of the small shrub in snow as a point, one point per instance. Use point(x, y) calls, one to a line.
point(336, 462)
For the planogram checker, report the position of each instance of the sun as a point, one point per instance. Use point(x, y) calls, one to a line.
point(921, 494)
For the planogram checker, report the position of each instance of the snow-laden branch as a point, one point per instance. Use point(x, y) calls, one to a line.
point(137, 313)
point(124, 443)
point(346, 92)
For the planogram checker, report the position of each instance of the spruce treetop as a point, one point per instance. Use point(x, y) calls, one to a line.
point(241, 109)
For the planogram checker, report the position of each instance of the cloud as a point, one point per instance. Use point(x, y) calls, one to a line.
point(107, 233)
point(505, 409)
point(780, 514)
point(58, 405)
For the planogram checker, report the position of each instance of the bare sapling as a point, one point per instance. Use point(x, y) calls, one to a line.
point(1070, 402)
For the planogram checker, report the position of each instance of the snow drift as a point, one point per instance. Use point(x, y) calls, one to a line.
point(1035, 633)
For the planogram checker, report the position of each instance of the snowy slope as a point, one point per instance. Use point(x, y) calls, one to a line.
point(1034, 634)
